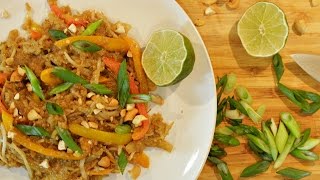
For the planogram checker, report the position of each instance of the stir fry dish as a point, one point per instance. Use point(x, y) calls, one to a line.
point(74, 98)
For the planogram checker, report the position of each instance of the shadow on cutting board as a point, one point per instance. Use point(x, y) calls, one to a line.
point(244, 60)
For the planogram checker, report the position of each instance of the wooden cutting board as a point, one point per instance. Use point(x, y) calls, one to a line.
point(227, 55)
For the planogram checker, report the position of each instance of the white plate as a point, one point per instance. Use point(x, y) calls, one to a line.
point(191, 104)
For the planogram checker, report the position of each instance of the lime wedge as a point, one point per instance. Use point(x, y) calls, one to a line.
point(168, 57)
point(263, 29)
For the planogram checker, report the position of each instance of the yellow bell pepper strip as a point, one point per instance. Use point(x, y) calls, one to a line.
point(7, 120)
point(100, 173)
point(2, 106)
point(110, 44)
point(48, 78)
point(23, 140)
point(102, 136)
point(136, 56)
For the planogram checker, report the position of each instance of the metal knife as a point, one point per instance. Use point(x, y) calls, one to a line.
point(309, 63)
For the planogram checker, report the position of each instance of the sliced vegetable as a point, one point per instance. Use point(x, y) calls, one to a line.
point(291, 124)
point(259, 152)
point(220, 87)
point(286, 150)
point(281, 137)
point(7, 120)
point(135, 49)
point(255, 117)
point(61, 88)
point(237, 105)
point(271, 141)
point(144, 98)
point(222, 167)
point(98, 89)
point(244, 129)
point(305, 155)
point(300, 141)
point(123, 84)
point(92, 27)
point(226, 139)
point(109, 44)
point(48, 78)
point(68, 140)
point(86, 46)
point(259, 143)
point(255, 169)
point(216, 151)
point(309, 144)
point(68, 75)
point(34, 146)
point(244, 94)
point(141, 159)
point(221, 111)
point(33, 130)
point(231, 83)
point(294, 173)
point(233, 114)
point(36, 88)
point(123, 129)
point(278, 66)
point(54, 109)
point(122, 161)
point(112, 64)
point(261, 109)
point(273, 127)
point(102, 136)
point(224, 130)
point(57, 34)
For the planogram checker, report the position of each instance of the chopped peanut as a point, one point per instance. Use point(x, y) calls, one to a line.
point(93, 125)
point(16, 97)
point(113, 102)
point(21, 71)
point(104, 162)
point(15, 77)
point(33, 115)
point(137, 121)
point(199, 22)
point(208, 11)
point(131, 114)
point(130, 107)
point(100, 106)
point(123, 112)
point(85, 124)
point(300, 24)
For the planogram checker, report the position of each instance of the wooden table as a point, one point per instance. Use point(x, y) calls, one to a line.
point(227, 55)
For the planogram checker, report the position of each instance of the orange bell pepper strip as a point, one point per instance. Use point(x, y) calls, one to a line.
point(25, 141)
point(142, 159)
point(102, 136)
point(35, 35)
point(68, 19)
point(136, 56)
point(112, 64)
point(7, 120)
point(110, 44)
point(3, 78)
point(100, 173)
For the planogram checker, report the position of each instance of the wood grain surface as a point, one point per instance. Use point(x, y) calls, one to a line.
point(227, 55)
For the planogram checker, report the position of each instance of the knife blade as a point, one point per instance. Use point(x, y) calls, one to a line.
point(309, 63)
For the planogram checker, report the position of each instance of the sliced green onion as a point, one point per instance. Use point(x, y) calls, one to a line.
point(235, 122)
point(91, 28)
point(309, 144)
point(305, 155)
point(220, 86)
point(60, 88)
point(300, 141)
point(286, 150)
point(123, 84)
point(281, 137)
point(224, 130)
point(98, 89)
point(271, 141)
point(231, 83)
point(216, 151)
point(35, 83)
point(122, 161)
point(68, 140)
point(226, 139)
point(293, 173)
point(86, 46)
point(54, 109)
point(261, 109)
point(57, 34)
point(278, 66)
point(244, 94)
point(123, 129)
point(244, 129)
point(222, 167)
point(309, 95)
point(273, 127)
point(255, 169)
point(255, 117)
point(259, 152)
point(291, 123)
point(233, 114)
point(234, 103)
point(33, 130)
point(68, 76)
point(259, 143)
point(145, 98)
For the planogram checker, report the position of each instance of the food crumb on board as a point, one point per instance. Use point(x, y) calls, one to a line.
point(315, 3)
point(209, 11)
point(199, 22)
point(4, 14)
point(300, 24)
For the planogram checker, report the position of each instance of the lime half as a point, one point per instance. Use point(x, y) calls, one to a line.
point(168, 57)
point(263, 29)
